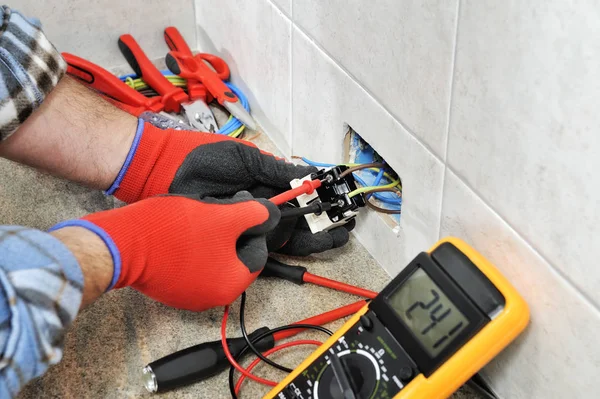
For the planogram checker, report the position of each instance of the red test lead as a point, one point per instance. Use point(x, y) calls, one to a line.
point(308, 187)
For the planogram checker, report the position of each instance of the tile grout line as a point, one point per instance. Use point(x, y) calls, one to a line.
point(292, 25)
point(197, 48)
point(529, 245)
point(369, 92)
point(291, 70)
point(281, 10)
point(450, 97)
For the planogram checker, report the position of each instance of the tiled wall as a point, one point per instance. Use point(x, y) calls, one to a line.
point(90, 29)
point(487, 109)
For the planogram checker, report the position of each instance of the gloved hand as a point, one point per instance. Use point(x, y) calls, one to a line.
point(185, 252)
point(293, 237)
point(203, 164)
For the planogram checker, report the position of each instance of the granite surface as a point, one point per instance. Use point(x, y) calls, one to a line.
point(115, 337)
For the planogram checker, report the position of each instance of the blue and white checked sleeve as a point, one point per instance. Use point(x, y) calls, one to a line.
point(41, 288)
point(30, 67)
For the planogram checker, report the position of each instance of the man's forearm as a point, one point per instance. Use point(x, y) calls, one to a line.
point(75, 134)
point(93, 257)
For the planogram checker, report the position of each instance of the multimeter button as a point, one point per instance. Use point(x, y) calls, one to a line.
point(366, 322)
point(291, 392)
point(405, 373)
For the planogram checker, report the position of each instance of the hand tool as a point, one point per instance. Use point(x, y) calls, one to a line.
point(106, 83)
point(193, 67)
point(120, 94)
point(439, 321)
point(197, 110)
point(172, 97)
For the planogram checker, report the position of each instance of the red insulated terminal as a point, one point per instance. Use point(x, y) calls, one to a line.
point(307, 187)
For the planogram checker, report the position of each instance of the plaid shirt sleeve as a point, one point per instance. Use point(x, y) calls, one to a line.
point(30, 67)
point(40, 292)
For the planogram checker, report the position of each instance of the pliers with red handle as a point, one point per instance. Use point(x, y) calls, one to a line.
point(174, 98)
point(116, 91)
point(120, 94)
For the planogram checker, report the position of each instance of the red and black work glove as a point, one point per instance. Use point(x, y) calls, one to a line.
point(212, 165)
point(185, 252)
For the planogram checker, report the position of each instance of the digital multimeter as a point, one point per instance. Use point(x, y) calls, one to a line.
point(446, 315)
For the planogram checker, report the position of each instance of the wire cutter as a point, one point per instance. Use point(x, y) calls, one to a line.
point(120, 94)
point(189, 66)
point(196, 90)
point(173, 98)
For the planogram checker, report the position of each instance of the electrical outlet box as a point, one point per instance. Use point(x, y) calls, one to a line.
point(335, 189)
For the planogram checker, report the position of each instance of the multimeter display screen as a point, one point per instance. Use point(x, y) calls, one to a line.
point(433, 319)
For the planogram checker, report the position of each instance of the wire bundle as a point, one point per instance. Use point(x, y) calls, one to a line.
point(234, 389)
point(393, 201)
point(233, 127)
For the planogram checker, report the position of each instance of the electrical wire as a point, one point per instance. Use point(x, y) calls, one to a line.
point(229, 356)
point(366, 189)
point(251, 345)
point(261, 336)
point(383, 210)
point(233, 127)
point(140, 84)
point(320, 319)
point(381, 198)
point(233, 123)
point(379, 209)
point(382, 189)
point(313, 163)
point(237, 132)
point(361, 167)
point(392, 201)
point(330, 165)
point(377, 180)
point(299, 342)
point(338, 285)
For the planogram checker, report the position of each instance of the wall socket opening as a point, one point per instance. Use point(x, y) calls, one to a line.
point(358, 150)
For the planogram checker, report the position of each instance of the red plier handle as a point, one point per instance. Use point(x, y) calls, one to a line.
point(176, 42)
point(105, 82)
point(172, 96)
point(193, 67)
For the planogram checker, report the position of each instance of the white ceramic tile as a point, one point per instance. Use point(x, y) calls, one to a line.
point(558, 354)
point(524, 124)
point(254, 39)
point(324, 99)
point(400, 50)
point(91, 29)
point(285, 6)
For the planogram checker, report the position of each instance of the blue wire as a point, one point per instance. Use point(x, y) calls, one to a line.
point(166, 72)
point(377, 180)
point(380, 196)
point(233, 124)
point(319, 164)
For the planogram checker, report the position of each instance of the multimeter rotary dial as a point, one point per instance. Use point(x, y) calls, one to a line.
point(361, 367)
point(373, 364)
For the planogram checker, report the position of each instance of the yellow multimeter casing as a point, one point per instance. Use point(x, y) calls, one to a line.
point(462, 364)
